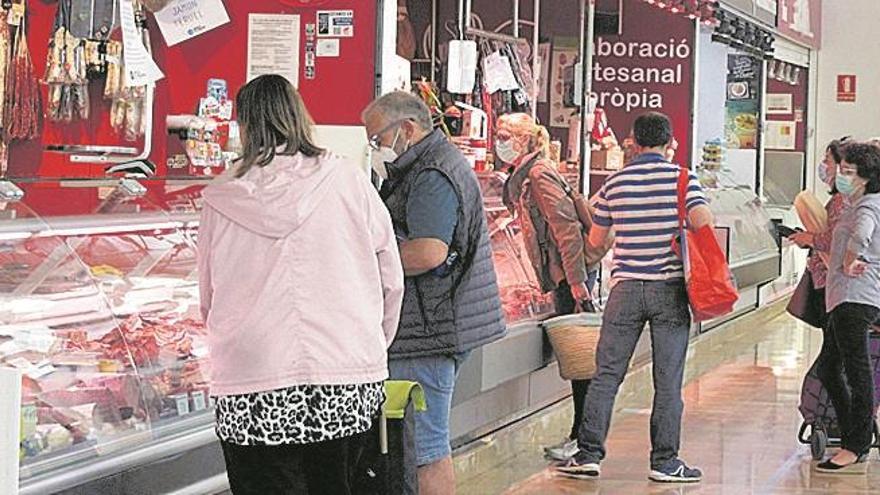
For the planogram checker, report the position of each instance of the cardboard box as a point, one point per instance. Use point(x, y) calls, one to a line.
point(606, 159)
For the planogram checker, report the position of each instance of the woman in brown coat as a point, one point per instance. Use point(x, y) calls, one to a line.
point(554, 236)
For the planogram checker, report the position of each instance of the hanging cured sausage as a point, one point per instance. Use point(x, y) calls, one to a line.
point(22, 104)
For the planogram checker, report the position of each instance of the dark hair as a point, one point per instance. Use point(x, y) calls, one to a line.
point(652, 129)
point(836, 148)
point(272, 114)
point(866, 158)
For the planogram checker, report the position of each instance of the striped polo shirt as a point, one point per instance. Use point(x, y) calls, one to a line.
point(640, 203)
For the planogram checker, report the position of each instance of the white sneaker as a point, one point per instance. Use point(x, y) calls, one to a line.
point(562, 451)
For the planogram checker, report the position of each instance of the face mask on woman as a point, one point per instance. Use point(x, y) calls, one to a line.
point(506, 151)
point(826, 173)
point(846, 184)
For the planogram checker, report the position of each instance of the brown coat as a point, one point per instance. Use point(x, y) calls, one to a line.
point(553, 235)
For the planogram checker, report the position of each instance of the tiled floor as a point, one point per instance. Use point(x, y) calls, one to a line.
point(740, 426)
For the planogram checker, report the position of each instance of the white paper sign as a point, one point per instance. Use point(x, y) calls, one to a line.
point(779, 104)
point(781, 135)
point(273, 46)
point(336, 23)
point(140, 68)
point(185, 19)
point(327, 48)
point(498, 74)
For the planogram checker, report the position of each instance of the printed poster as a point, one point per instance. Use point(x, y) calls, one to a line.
point(181, 20)
point(781, 135)
point(336, 23)
point(779, 104)
point(562, 82)
point(743, 107)
point(273, 46)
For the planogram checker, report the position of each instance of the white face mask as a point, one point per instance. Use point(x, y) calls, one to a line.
point(379, 158)
point(506, 152)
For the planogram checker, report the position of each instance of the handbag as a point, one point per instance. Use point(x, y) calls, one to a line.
point(575, 339)
point(710, 285)
point(807, 304)
point(584, 212)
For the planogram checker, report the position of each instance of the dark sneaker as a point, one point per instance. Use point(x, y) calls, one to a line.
point(579, 468)
point(676, 471)
point(858, 467)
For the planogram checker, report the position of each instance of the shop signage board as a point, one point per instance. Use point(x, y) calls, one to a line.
point(181, 20)
point(801, 20)
point(846, 88)
point(647, 70)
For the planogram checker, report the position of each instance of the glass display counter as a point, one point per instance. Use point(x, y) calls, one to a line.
point(520, 290)
point(99, 312)
point(747, 233)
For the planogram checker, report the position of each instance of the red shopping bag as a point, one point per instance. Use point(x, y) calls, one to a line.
point(710, 283)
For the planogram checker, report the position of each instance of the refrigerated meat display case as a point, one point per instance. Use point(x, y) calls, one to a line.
point(517, 375)
point(99, 311)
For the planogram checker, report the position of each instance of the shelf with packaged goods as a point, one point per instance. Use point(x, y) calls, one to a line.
point(100, 313)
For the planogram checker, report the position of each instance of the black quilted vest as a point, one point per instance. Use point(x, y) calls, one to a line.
point(462, 311)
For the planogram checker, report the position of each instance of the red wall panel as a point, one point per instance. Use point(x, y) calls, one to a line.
point(341, 88)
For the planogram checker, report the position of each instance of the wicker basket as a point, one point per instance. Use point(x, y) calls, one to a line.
point(574, 339)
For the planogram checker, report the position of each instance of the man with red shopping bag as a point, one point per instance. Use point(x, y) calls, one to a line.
point(640, 203)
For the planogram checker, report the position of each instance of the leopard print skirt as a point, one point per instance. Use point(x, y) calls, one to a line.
point(300, 414)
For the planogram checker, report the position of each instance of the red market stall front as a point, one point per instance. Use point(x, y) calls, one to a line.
point(98, 286)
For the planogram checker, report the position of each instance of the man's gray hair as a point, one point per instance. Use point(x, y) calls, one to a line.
point(400, 105)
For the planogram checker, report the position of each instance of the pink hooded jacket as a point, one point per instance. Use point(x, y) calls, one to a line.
point(300, 277)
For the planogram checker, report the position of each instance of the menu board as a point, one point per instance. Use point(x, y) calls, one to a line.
point(743, 101)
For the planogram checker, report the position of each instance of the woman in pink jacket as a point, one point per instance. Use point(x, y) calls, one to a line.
point(301, 288)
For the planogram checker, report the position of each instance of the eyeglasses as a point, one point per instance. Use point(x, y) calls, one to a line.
point(375, 141)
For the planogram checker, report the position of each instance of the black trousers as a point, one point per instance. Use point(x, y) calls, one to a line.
point(566, 305)
point(326, 468)
point(845, 371)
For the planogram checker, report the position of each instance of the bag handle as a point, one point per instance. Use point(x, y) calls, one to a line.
point(683, 183)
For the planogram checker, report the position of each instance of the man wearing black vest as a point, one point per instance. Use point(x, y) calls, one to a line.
point(451, 303)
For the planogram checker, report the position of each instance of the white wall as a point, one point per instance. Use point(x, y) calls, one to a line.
point(850, 45)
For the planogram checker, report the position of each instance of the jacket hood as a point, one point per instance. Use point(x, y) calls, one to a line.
point(277, 199)
point(871, 201)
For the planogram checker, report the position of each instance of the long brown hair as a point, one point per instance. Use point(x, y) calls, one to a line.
point(272, 114)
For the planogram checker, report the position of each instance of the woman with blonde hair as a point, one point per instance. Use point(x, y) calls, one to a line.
point(301, 288)
point(552, 231)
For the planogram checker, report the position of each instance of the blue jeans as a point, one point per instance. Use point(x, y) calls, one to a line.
point(436, 375)
point(631, 305)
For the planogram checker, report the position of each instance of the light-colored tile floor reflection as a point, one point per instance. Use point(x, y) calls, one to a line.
point(740, 427)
